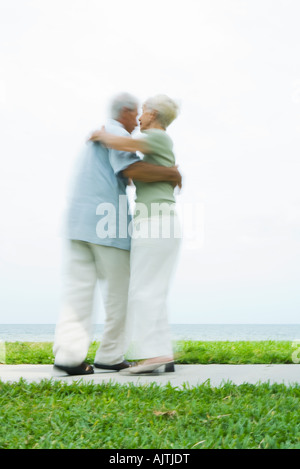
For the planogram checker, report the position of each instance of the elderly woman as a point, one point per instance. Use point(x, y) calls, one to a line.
point(155, 239)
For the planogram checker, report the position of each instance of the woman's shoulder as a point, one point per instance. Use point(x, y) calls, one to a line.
point(158, 136)
point(160, 147)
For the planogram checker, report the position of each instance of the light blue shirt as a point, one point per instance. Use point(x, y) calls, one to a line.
point(96, 212)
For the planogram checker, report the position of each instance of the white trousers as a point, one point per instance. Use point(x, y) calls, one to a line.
point(85, 264)
point(152, 263)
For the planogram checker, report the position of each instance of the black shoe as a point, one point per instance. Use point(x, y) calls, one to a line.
point(170, 367)
point(83, 369)
point(119, 366)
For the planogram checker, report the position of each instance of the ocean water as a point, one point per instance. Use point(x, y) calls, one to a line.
point(205, 332)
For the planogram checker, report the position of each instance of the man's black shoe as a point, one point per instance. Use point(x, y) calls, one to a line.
point(119, 366)
point(82, 369)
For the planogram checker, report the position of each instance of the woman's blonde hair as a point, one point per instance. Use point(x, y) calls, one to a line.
point(167, 110)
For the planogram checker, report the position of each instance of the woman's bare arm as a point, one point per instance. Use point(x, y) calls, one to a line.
point(119, 143)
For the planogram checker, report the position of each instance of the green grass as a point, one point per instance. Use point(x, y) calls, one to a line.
point(242, 352)
point(56, 415)
point(53, 414)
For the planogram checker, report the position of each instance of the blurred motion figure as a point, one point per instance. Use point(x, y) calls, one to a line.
point(156, 239)
point(102, 177)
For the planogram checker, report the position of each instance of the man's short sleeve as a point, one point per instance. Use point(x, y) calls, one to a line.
point(120, 160)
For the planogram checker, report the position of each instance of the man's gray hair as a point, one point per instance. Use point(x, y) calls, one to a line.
point(167, 109)
point(121, 101)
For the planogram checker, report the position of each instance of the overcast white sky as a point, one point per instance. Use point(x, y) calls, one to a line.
point(234, 65)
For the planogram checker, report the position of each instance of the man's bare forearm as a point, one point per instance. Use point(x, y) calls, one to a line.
point(146, 172)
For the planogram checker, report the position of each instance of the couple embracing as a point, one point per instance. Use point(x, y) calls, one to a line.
point(133, 266)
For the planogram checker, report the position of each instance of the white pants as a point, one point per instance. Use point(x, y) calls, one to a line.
point(152, 262)
point(86, 263)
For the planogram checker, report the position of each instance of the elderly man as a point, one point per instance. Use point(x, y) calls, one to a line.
point(94, 253)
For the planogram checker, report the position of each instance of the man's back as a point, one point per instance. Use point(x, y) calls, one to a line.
point(94, 213)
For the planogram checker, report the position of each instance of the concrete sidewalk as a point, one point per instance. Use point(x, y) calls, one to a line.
point(190, 375)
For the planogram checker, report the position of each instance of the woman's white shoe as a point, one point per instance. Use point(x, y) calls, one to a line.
point(150, 367)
